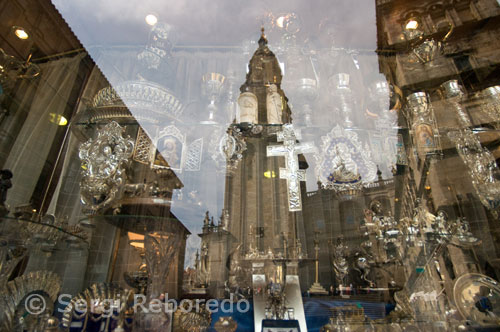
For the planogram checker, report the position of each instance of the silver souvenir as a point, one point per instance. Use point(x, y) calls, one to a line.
point(291, 173)
point(479, 160)
point(100, 302)
point(423, 124)
point(226, 148)
point(148, 101)
point(170, 149)
point(477, 298)
point(27, 299)
point(423, 50)
point(338, 254)
point(104, 161)
point(343, 163)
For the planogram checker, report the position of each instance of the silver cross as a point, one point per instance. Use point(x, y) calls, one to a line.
point(292, 174)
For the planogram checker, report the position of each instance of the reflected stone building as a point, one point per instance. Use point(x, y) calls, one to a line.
point(259, 222)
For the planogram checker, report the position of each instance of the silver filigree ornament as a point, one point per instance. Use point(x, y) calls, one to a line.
point(343, 162)
point(104, 162)
point(146, 100)
point(226, 148)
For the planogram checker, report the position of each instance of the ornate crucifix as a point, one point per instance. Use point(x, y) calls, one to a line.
point(291, 173)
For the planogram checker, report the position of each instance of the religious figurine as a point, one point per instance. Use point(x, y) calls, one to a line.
point(204, 269)
point(276, 301)
point(274, 105)
point(206, 222)
point(441, 226)
point(339, 261)
point(270, 253)
point(298, 247)
point(236, 273)
point(463, 234)
point(248, 104)
point(363, 265)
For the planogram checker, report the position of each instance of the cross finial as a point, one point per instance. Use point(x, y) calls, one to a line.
point(263, 39)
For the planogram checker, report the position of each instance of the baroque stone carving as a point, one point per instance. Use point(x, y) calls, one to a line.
point(248, 105)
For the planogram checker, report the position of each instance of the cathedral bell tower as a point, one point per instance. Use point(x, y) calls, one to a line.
point(261, 100)
point(257, 193)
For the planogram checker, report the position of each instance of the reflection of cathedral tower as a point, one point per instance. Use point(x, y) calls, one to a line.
point(263, 194)
point(256, 197)
point(259, 218)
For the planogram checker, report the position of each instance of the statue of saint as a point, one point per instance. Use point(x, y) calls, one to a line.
point(206, 221)
point(274, 105)
point(248, 105)
point(204, 268)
